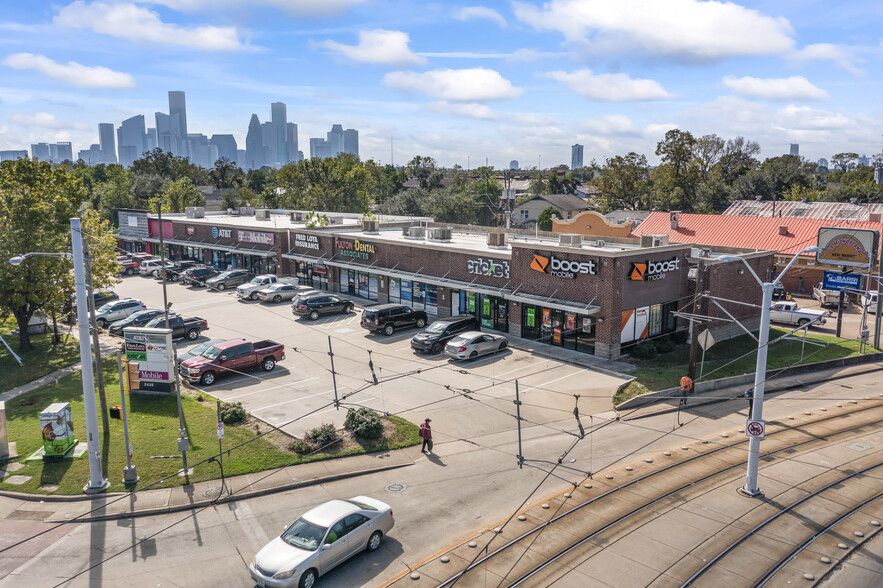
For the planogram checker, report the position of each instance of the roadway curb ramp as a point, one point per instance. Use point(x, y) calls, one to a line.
point(793, 377)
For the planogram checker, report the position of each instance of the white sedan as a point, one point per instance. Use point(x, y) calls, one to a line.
point(321, 539)
point(471, 344)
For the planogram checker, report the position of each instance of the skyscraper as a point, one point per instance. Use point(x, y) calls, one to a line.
point(106, 143)
point(255, 152)
point(351, 142)
point(150, 141)
point(226, 145)
point(178, 107)
point(279, 118)
point(40, 151)
point(65, 152)
point(291, 142)
point(320, 148)
point(268, 137)
point(795, 150)
point(513, 164)
point(130, 138)
point(576, 156)
point(335, 140)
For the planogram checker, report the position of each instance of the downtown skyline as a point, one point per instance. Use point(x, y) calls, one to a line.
point(461, 83)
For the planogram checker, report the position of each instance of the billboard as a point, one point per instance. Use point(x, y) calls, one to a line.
point(849, 247)
point(151, 359)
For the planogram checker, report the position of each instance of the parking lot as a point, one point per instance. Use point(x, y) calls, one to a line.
point(466, 400)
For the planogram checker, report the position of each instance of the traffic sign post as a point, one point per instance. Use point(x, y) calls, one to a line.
point(755, 429)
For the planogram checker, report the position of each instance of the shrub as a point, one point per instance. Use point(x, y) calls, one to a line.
point(200, 397)
point(644, 350)
point(300, 447)
point(364, 422)
point(233, 413)
point(680, 337)
point(324, 434)
point(664, 345)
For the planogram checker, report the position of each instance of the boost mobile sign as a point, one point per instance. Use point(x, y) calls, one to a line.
point(562, 268)
point(650, 271)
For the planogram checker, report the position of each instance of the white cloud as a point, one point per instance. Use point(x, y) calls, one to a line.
point(131, 22)
point(378, 46)
point(480, 12)
point(300, 8)
point(71, 72)
point(609, 87)
point(793, 88)
point(465, 55)
point(610, 124)
point(841, 56)
point(806, 118)
point(528, 55)
point(461, 85)
point(680, 28)
point(464, 109)
point(42, 120)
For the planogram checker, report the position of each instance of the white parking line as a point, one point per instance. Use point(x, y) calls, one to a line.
point(524, 367)
point(272, 388)
point(545, 384)
point(296, 399)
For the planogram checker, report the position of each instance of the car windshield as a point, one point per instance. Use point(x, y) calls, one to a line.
point(437, 328)
point(304, 534)
point(256, 280)
point(200, 349)
point(212, 352)
point(159, 321)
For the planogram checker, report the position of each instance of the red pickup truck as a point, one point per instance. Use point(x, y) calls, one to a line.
point(231, 357)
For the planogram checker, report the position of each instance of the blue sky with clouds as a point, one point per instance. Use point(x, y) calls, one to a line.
point(459, 82)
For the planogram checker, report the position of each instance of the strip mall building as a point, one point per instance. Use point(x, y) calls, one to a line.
point(597, 297)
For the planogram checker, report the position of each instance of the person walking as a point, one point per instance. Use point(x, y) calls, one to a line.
point(426, 435)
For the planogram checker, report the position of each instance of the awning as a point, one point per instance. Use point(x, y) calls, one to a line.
point(549, 302)
point(214, 247)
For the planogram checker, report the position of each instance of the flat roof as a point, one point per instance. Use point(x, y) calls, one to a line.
point(279, 220)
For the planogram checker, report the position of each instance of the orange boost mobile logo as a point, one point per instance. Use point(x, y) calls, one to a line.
point(638, 271)
point(539, 263)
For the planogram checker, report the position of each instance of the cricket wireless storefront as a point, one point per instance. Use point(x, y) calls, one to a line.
point(595, 300)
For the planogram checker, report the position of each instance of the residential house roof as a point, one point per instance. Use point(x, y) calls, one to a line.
point(784, 235)
point(562, 202)
point(820, 210)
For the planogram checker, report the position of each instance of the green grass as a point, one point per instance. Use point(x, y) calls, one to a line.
point(153, 430)
point(665, 370)
point(45, 358)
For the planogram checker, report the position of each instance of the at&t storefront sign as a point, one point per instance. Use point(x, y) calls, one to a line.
point(218, 233)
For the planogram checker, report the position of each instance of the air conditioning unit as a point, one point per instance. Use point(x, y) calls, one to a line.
point(600, 243)
point(496, 239)
point(705, 253)
point(297, 217)
point(370, 226)
point(654, 240)
point(439, 234)
point(195, 212)
point(570, 240)
point(414, 232)
point(262, 214)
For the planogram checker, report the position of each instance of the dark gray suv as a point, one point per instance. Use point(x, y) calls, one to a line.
point(435, 336)
point(229, 279)
point(388, 318)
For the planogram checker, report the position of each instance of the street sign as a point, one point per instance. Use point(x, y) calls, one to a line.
point(705, 340)
point(220, 430)
point(755, 428)
point(838, 281)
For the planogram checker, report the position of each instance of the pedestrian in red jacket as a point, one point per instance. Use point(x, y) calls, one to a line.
point(426, 435)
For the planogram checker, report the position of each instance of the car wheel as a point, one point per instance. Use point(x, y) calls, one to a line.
point(207, 378)
point(269, 364)
point(129, 271)
point(193, 334)
point(314, 315)
point(388, 330)
point(277, 299)
point(421, 323)
point(348, 309)
point(253, 296)
point(436, 348)
point(503, 345)
point(155, 274)
point(374, 541)
point(473, 355)
point(802, 322)
point(101, 322)
point(308, 580)
point(221, 287)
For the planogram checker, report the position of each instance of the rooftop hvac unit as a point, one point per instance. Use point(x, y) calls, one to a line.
point(600, 243)
point(414, 232)
point(439, 234)
point(654, 240)
point(262, 214)
point(705, 253)
point(570, 240)
point(195, 211)
point(370, 226)
point(233, 211)
point(297, 217)
point(496, 239)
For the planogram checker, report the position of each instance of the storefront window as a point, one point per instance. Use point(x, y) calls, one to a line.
point(372, 286)
point(344, 281)
point(431, 299)
point(407, 294)
point(418, 296)
point(395, 290)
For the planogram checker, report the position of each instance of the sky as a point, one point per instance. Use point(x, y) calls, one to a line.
point(465, 83)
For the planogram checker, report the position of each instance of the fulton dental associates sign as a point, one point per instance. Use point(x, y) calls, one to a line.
point(354, 248)
point(256, 237)
point(488, 267)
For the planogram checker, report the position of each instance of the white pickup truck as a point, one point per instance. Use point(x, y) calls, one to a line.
point(786, 311)
point(828, 297)
point(250, 289)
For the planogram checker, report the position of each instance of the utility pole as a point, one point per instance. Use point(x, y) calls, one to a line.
point(694, 332)
point(130, 474)
point(162, 262)
point(99, 371)
point(333, 374)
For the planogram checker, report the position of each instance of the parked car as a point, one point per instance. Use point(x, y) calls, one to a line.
point(786, 311)
point(159, 268)
point(197, 350)
point(117, 310)
point(828, 297)
point(318, 303)
point(196, 276)
point(228, 279)
point(250, 290)
point(231, 357)
point(174, 271)
point(869, 300)
point(101, 298)
point(386, 318)
point(472, 344)
point(128, 265)
point(277, 292)
point(434, 338)
point(137, 319)
point(181, 327)
point(321, 539)
point(780, 293)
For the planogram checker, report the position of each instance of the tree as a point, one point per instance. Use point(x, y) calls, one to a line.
point(844, 161)
point(339, 184)
point(425, 171)
point(737, 159)
point(115, 192)
point(178, 195)
point(624, 184)
point(538, 185)
point(36, 204)
point(226, 174)
point(544, 220)
point(229, 199)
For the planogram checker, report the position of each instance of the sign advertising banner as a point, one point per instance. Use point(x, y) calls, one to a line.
point(151, 386)
point(190, 230)
point(136, 356)
point(354, 248)
point(135, 346)
point(563, 268)
point(151, 349)
point(849, 247)
point(152, 375)
point(488, 267)
point(650, 271)
point(218, 232)
point(256, 237)
point(838, 281)
point(306, 241)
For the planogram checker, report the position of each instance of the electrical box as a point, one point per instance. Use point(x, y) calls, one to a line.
point(58, 429)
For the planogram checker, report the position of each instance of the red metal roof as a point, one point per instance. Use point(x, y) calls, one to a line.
point(750, 232)
point(791, 209)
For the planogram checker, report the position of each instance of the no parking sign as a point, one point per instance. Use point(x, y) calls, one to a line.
point(755, 429)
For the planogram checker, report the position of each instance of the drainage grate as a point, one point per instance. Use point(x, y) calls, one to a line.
point(211, 492)
point(395, 488)
point(859, 446)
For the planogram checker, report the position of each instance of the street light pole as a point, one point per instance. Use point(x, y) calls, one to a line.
point(97, 481)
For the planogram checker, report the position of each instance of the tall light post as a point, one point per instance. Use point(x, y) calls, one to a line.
point(97, 481)
point(763, 336)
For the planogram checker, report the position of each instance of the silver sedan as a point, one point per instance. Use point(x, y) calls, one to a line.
point(277, 292)
point(471, 344)
point(321, 539)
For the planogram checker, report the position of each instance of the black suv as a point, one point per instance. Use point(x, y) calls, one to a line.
point(175, 272)
point(387, 318)
point(434, 337)
point(316, 303)
point(196, 276)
